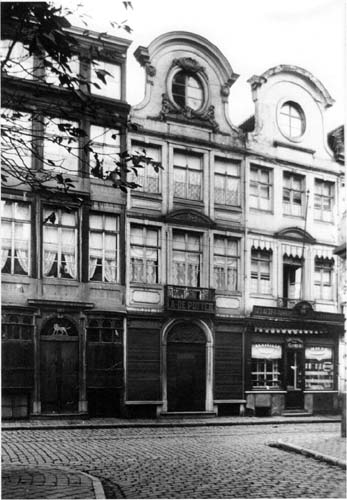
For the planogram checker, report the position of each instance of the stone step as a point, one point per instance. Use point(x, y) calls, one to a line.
point(59, 416)
point(296, 413)
point(188, 414)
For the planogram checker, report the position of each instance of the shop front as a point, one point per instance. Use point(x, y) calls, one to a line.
point(292, 360)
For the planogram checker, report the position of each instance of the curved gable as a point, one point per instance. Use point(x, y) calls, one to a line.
point(189, 218)
point(295, 234)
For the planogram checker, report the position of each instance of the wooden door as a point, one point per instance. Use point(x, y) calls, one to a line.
point(186, 372)
point(294, 382)
point(59, 375)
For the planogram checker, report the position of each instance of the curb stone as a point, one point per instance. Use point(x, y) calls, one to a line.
point(96, 483)
point(310, 453)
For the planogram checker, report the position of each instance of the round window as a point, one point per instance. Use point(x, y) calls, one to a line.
point(291, 120)
point(187, 91)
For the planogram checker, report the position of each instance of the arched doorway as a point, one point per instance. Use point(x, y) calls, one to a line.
point(59, 381)
point(186, 368)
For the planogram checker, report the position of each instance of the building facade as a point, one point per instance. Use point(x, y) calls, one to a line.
point(211, 288)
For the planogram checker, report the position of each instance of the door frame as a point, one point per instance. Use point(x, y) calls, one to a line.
point(298, 352)
point(209, 359)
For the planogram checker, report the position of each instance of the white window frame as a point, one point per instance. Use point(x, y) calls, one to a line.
point(148, 179)
point(259, 256)
point(290, 114)
point(143, 249)
point(104, 232)
point(231, 262)
point(223, 169)
point(257, 201)
point(10, 245)
point(113, 87)
point(321, 212)
point(105, 146)
point(187, 253)
point(290, 208)
point(65, 161)
point(321, 267)
point(188, 172)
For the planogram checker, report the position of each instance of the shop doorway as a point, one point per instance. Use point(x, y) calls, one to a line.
point(186, 369)
point(294, 378)
point(59, 380)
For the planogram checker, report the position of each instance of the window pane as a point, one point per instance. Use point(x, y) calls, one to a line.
point(112, 88)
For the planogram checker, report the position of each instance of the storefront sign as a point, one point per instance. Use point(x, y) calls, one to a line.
point(190, 305)
point(295, 344)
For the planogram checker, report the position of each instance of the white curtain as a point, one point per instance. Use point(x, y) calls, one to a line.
point(48, 261)
point(266, 351)
point(70, 262)
point(23, 259)
point(68, 250)
point(4, 256)
point(92, 266)
point(110, 270)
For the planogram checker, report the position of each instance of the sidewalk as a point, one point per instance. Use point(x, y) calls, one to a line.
point(105, 423)
point(45, 482)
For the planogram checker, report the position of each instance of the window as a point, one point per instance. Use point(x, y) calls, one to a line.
point(187, 91)
point(59, 243)
point(17, 327)
point(147, 177)
point(292, 279)
point(323, 200)
point(61, 146)
point(16, 238)
point(323, 274)
point(105, 330)
point(187, 258)
point(112, 74)
point(187, 176)
point(291, 120)
point(106, 143)
point(319, 368)
point(266, 366)
point(144, 254)
point(261, 272)
point(53, 78)
point(260, 188)
point(226, 263)
point(293, 194)
point(103, 248)
point(227, 183)
point(20, 63)
point(16, 140)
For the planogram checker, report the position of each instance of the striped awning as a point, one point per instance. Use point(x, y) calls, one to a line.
point(262, 244)
point(323, 252)
point(292, 250)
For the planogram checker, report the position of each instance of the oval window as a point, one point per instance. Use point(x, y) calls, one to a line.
point(291, 120)
point(187, 91)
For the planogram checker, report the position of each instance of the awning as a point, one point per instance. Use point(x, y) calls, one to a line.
point(290, 331)
point(292, 250)
point(323, 252)
point(262, 244)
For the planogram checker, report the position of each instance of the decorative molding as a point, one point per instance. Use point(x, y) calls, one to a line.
point(142, 56)
point(59, 327)
point(296, 234)
point(190, 218)
point(190, 65)
point(288, 145)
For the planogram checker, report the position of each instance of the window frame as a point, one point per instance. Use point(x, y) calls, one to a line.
point(226, 176)
point(287, 120)
point(320, 211)
point(48, 121)
point(105, 149)
point(185, 87)
point(258, 184)
point(105, 90)
point(320, 369)
point(235, 258)
point(270, 371)
point(292, 192)
point(321, 266)
point(144, 247)
point(188, 171)
point(258, 256)
point(13, 221)
point(147, 168)
point(104, 233)
point(186, 252)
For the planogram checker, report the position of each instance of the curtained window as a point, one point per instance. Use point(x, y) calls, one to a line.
point(261, 279)
point(266, 366)
point(147, 177)
point(187, 258)
point(103, 248)
point(144, 254)
point(59, 243)
point(15, 237)
point(187, 176)
point(226, 263)
point(227, 182)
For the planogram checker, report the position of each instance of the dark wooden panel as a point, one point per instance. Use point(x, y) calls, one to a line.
point(143, 365)
point(104, 365)
point(17, 364)
point(228, 365)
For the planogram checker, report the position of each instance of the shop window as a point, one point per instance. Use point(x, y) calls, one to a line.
point(59, 243)
point(319, 368)
point(105, 331)
point(266, 366)
point(187, 176)
point(292, 279)
point(261, 278)
point(293, 194)
point(103, 248)
point(61, 146)
point(323, 279)
point(227, 183)
point(146, 176)
point(187, 91)
point(16, 238)
point(144, 254)
point(187, 258)
point(17, 327)
point(260, 188)
point(109, 72)
point(291, 120)
point(323, 200)
point(106, 145)
point(226, 263)
point(20, 63)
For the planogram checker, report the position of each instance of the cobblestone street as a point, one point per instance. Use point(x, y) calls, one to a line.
point(200, 462)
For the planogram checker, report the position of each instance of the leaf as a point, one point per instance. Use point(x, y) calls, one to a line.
point(50, 218)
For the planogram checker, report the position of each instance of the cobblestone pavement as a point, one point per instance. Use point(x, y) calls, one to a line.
point(200, 462)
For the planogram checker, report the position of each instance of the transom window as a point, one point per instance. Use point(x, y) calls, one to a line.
point(59, 243)
point(144, 254)
point(106, 144)
point(105, 330)
point(292, 120)
point(260, 188)
point(323, 278)
point(187, 258)
point(187, 91)
point(261, 271)
point(61, 147)
point(187, 176)
point(293, 194)
point(103, 248)
point(147, 177)
point(227, 182)
point(323, 200)
point(266, 366)
point(16, 237)
point(226, 263)
point(112, 74)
